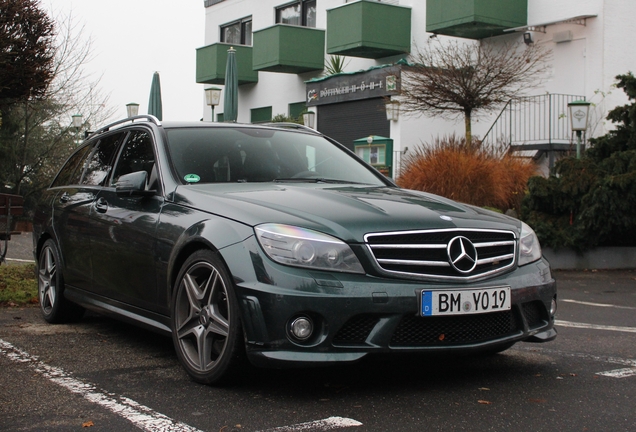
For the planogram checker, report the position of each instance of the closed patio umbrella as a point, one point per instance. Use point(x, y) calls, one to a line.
point(230, 101)
point(154, 104)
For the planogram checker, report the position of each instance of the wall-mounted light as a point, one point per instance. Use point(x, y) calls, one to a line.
point(309, 119)
point(527, 38)
point(393, 111)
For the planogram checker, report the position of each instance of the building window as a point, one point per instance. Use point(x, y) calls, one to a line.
point(238, 32)
point(299, 13)
point(261, 115)
point(297, 109)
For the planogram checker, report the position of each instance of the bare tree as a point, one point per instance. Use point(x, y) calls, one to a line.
point(36, 135)
point(454, 79)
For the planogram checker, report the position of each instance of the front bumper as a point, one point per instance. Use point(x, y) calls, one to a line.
point(356, 315)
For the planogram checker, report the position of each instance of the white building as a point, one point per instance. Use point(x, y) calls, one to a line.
point(282, 47)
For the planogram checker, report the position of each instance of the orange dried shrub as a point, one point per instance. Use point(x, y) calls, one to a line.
point(474, 175)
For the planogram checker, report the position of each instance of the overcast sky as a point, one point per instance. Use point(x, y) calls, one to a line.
point(132, 39)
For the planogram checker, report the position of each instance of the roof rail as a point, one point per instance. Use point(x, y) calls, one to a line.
point(290, 125)
point(146, 117)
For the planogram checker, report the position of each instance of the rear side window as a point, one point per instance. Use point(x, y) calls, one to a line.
point(71, 173)
point(101, 161)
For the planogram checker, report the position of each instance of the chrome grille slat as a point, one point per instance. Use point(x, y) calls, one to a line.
point(424, 255)
point(491, 244)
point(414, 246)
point(407, 262)
point(495, 259)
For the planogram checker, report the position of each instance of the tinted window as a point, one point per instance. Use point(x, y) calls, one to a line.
point(216, 155)
point(71, 173)
point(101, 161)
point(137, 155)
point(238, 33)
point(300, 13)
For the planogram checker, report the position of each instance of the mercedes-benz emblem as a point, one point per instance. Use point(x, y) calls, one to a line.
point(462, 254)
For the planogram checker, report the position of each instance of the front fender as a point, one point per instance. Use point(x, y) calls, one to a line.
point(183, 231)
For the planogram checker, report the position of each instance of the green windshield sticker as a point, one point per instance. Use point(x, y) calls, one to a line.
point(192, 178)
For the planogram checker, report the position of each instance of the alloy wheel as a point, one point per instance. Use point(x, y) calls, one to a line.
point(202, 316)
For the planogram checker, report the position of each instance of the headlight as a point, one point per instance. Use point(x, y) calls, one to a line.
point(529, 247)
point(306, 248)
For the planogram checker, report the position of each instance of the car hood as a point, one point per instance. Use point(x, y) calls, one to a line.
point(345, 211)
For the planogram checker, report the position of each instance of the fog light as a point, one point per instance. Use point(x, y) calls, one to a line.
point(553, 307)
point(302, 328)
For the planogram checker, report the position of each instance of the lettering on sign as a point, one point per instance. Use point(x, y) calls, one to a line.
point(346, 87)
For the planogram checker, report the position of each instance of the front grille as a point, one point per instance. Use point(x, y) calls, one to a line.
point(535, 314)
point(415, 331)
point(427, 254)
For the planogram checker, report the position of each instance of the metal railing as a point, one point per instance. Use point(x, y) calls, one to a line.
point(532, 123)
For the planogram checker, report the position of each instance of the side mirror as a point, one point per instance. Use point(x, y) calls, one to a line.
point(133, 184)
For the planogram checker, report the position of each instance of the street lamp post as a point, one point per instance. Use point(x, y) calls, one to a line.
point(579, 115)
point(132, 109)
point(212, 98)
point(77, 124)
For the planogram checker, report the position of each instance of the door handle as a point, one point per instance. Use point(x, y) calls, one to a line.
point(101, 205)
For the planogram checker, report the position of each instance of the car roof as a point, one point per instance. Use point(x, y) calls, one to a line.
point(144, 119)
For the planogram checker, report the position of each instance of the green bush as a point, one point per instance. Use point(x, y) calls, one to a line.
point(591, 201)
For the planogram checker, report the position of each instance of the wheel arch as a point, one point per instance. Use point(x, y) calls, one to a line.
point(210, 234)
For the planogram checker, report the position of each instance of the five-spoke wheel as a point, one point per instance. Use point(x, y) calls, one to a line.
point(205, 323)
point(55, 308)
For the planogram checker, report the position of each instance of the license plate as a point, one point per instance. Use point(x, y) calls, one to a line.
point(464, 302)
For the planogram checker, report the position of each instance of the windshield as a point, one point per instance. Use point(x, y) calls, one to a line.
point(222, 155)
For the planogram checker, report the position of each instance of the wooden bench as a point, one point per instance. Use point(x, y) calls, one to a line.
point(10, 207)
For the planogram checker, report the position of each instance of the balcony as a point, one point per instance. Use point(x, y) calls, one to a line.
point(289, 49)
point(475, 19)
point(369, 30)
point(211, 61)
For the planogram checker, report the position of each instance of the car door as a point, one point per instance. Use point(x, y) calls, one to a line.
point(71, 205)
point(123, 229)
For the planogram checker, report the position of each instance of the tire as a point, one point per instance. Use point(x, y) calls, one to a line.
point(206, 327)
point(56, 309)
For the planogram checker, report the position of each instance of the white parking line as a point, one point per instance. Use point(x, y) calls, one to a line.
point(630, 370)
point(594, 326)
point(141, 416)
point(319, 425)
point(597, 304)
point(619, 373)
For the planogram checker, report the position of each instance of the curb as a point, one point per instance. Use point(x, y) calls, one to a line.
point(602, 258)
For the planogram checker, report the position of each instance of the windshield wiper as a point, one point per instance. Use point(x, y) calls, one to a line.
point(314, 180)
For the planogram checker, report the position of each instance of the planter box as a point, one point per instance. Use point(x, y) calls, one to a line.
point(602, 258)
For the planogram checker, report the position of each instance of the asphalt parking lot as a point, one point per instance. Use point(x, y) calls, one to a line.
point(107, 375)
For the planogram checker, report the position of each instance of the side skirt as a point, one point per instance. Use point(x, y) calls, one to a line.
point(120, 311)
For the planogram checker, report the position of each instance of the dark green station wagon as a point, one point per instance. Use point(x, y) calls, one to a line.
point(279, 246)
